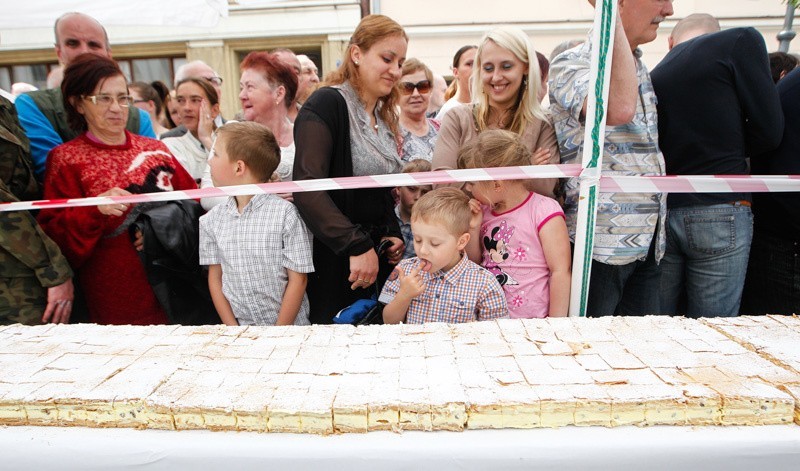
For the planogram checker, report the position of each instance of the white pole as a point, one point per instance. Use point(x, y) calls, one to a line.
point(592, 162)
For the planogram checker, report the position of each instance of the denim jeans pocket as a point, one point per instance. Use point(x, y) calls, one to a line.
point(711, 234)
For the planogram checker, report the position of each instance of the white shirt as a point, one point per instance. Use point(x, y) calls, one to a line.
point(188, 150)
point(256, 248)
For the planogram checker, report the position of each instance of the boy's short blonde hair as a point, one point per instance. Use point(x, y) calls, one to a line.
point(253, 144)
point(417, 165)
point(448, 207)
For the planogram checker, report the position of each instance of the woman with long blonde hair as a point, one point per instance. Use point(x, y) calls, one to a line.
point(505, 86)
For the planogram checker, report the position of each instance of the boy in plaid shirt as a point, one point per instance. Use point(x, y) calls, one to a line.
point(257, 247)
point(441, 284)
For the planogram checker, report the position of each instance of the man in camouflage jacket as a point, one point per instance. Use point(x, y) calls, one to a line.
point(35, 278)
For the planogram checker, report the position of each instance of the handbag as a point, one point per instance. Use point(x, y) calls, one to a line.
point(365, 311)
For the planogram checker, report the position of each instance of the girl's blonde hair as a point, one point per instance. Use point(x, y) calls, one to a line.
point(494, 148)
point(527, 108)
point(370, 30)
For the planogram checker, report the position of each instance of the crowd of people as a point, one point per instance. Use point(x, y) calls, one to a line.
point(716, 104)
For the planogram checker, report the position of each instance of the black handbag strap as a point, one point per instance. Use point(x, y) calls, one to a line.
point(380, 249)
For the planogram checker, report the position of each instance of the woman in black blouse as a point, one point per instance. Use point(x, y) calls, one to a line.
point(350, 128)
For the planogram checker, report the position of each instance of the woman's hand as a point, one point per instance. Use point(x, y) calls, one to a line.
point(395, 251)
point(114, 209)
point(363, 269)
point(541, 156)
point(59, 303)
point(205, 125)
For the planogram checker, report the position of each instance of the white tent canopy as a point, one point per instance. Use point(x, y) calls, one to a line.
point(43, 13)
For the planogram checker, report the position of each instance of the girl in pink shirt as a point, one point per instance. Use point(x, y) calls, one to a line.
point(518, 235)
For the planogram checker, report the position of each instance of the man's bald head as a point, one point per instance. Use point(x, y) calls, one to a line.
point(694, 25)
point(77, 33)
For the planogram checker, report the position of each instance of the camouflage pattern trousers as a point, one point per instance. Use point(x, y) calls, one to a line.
point(22, 300)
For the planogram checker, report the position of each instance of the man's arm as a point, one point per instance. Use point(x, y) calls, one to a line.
point(292, 297)
point(39, 131)
point(757, 94)
point(623, 87)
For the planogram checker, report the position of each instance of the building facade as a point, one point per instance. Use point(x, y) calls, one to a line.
point(321, 29)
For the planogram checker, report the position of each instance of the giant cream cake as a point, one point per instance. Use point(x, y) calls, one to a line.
point(777, 341)
point(340, 379)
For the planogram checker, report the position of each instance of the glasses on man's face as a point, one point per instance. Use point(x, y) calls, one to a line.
point(215, 80)
point(104, 100)
point(407, 88)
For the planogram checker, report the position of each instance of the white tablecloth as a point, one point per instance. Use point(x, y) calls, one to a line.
point(655, 448)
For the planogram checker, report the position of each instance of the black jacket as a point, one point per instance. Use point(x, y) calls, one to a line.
point(171, 260)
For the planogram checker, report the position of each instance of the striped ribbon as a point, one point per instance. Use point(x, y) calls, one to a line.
point(615, 184)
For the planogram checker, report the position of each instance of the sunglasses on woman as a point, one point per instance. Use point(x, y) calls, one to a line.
point(407, 88)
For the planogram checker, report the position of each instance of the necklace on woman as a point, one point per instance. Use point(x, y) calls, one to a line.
point(501, 124)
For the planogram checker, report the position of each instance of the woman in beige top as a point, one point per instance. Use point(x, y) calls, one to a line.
point(505, 84)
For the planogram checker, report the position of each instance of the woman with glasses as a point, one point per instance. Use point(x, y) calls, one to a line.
point(419, 132)
point(106, 160)
point(505, 89)
point(198, 106)
point(349, 127)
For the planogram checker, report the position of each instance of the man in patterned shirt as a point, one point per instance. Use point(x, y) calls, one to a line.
point(629, 236)
point(257, 247)
point(441, 284)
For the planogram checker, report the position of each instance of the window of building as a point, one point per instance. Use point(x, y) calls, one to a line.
point(144, 70)
point(34, 74)
point(5, 79)
point(151, 69)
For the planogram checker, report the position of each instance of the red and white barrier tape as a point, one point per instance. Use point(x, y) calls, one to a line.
point(616, 184)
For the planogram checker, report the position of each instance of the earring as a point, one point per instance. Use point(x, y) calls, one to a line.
point(525, 81)
point(356, 63)
point(277, 102)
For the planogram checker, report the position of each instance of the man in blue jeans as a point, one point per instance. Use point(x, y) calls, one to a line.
point(717, 106)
